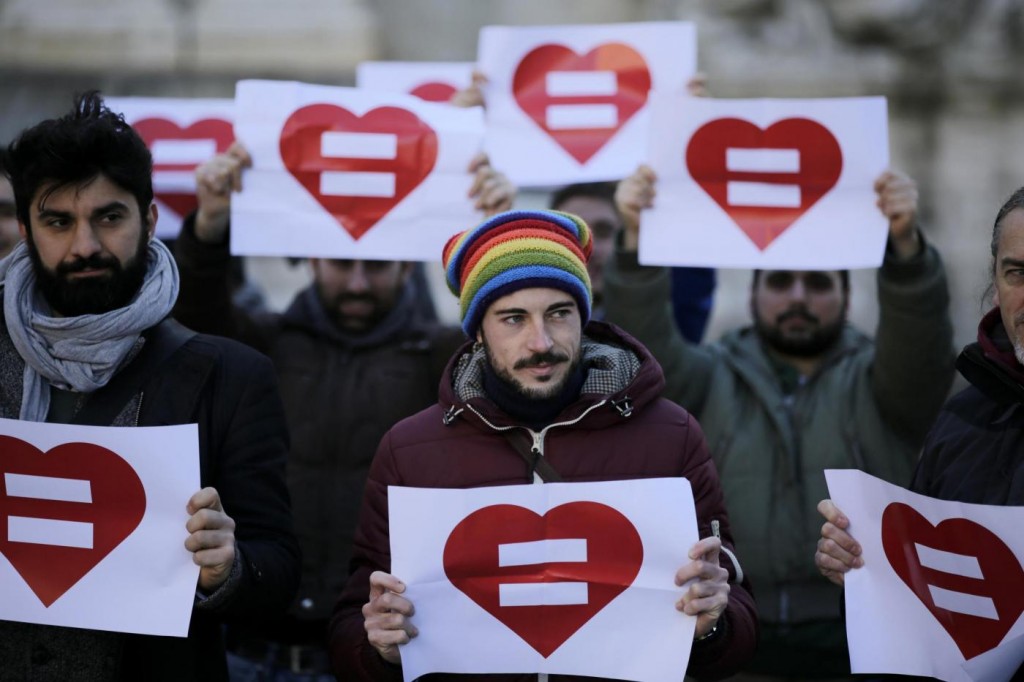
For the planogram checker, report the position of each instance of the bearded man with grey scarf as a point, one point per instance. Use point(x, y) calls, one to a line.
point(86, 338)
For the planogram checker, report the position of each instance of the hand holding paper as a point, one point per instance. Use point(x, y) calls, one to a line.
point(211, 538)
point(387, 616)
point(215, 181)
point(708, 595)
point(493, 191)
point(897, 200)
point(473, 96)
point(633, 195)
point(837, 551)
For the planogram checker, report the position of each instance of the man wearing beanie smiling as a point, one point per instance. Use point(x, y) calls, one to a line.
point(539, 395)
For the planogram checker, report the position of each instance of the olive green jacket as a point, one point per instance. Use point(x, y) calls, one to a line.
point(868, 407)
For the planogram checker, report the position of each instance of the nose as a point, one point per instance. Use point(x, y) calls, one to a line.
point(798, 291)
point(539, 340)
point(357, 281)
point(84, 242)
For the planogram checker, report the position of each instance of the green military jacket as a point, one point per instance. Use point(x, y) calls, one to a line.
point(868, 407)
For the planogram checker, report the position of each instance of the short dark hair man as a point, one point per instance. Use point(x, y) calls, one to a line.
point(974, 452)
point(584, 404)
point(86, 339)
point(799, 392)
point(355, 354)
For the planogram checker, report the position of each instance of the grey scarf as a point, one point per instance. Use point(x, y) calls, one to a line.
point(78, 353)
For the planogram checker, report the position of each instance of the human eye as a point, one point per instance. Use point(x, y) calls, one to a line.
point(1014, 274)
point(56, 222)
point(111, 217)
point(818, 281)
point(779, 280)
point(512, 320)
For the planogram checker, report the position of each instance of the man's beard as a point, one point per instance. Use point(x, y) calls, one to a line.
point(821, 339)
point(551, 357)
point(91, 295)
point(352, 323)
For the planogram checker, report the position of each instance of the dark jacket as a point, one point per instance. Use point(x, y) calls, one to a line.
point(455, 444)
point(341, 393)
point(975, 451)
point(230, 392)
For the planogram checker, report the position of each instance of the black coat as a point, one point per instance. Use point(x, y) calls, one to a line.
point(975, 450)
point(230, 391)
point(341, 394)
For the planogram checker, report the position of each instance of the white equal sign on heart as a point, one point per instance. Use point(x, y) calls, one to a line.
point(762, 194)
point(956, 564)
point(42, 531)
point(542, 593)
point(375, 146)
point(581, 84)
point(189, 153)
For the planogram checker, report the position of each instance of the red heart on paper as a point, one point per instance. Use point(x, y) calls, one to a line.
point(966, 567)
point(478, 560)
point(614, 106)
point(396, 169)
point(53, 543)
point(217, 134)
point(434, 92)
point(811, 167)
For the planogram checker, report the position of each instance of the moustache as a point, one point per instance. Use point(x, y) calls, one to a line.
point(537, 359)
point(797, 313)
point(93, 262)
point(355, 298)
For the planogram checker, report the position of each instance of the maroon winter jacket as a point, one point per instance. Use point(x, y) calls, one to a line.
point(619, 429)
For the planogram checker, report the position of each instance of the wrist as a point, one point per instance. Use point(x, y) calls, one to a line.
point(211, 229)
point(906, 246)
point(715, 631)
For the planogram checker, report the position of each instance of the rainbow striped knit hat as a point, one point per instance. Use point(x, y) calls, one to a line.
point(516, 250)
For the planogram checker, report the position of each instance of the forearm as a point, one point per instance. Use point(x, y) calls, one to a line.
point(204, 300)
point(913, 365)
point(638, 299)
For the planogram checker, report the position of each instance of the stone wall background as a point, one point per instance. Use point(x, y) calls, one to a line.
point(951, 71)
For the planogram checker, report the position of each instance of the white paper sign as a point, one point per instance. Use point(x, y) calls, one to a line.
point(569, 103)
point(94, 526)
point(566, 578)
point(181, 134)
point(772, 184)
point(430, 81)
point(347, 173)
point(941, 582)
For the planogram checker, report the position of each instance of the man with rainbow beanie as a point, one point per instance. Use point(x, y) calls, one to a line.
point(539, 395)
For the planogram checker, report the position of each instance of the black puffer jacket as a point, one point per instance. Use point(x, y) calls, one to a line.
point(975, 450)
point(341, 394)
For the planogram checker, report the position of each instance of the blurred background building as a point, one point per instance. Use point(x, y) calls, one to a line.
point(951, 70)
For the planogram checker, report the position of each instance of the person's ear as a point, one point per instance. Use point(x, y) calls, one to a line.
point(151, 217)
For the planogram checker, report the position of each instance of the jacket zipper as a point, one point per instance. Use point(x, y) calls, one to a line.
point(538, 437)
point(138, 409)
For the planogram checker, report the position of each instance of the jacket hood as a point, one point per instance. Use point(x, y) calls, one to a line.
point(619, 372)
point(990, 363)
point(307, 313)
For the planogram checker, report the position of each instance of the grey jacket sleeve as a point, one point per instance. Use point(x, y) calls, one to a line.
point(638, 299)
point(914, 358)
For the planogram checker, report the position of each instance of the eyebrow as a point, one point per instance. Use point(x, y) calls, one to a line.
point(1014, 262)
point(106, 208)
point(522, 311)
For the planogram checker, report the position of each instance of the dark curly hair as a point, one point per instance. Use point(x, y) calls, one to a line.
point(88, 141)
